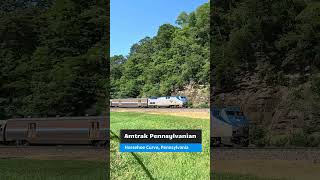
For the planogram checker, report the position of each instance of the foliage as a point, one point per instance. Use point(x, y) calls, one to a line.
point(315, 86)
point(279, 140)
point(52, 58)
point(160, 65)
point(245, 33)
point(313, 140)
point(257, 136)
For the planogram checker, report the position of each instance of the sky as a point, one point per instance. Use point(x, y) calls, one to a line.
point(132, 20)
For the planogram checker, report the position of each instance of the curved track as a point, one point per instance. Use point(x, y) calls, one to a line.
point(54, 152)
point(269, 153)
point(162, 109)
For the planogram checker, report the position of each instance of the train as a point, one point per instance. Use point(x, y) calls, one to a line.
point(229, 127)
point(152, 102)
point(57, 130)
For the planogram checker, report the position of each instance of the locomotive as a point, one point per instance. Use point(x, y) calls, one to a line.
point(58, 130)
point(229, 127)
point(153, 102)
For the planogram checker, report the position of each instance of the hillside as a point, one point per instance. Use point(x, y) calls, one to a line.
point(167, 63)
point(52, 57)
point(266, 59)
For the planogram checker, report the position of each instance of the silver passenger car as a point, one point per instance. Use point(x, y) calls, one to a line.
point(59, 130)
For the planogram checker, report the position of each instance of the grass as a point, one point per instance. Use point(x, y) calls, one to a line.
point(26, 169)
point(158, 165)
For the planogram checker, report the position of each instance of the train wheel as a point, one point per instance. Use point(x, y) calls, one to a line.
point(21, 143)
point(100, 144)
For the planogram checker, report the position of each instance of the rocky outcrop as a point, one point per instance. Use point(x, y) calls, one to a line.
point(198, 95)
point(277, 109)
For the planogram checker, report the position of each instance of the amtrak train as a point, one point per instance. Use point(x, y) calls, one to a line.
point(153, 102)
point(57, 130)
point(229, 127)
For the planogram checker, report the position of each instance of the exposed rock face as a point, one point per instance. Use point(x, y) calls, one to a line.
point(198, 95)
point(278, 109)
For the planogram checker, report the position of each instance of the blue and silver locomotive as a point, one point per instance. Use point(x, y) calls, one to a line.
point(229, 127)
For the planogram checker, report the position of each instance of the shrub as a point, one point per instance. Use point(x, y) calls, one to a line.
point(298, 139)
point(313, 140)
point(257, 136)
point(315, 86)
point(189, 104)
point(202, 105)
point(279, 140)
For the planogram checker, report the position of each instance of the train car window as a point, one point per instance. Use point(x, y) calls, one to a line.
point(239, 114)
point(232, 113)
point(167, 97)
point(32, 130)
point(98, 125)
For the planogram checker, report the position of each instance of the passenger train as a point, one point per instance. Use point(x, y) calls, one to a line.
point(153, 102)
point(58, 130)
point(229, 127)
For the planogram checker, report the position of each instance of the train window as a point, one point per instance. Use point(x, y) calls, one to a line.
point(167, 97)
point(32, 130)
point(92, 125)
point(232, 113)
point(239, 113)
point(97, 125)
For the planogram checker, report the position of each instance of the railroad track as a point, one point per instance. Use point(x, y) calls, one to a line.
point(162, 109)
point(268, 153)
point(266, 148)
point(52, 147)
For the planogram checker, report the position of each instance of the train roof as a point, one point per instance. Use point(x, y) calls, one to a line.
point(230, 119)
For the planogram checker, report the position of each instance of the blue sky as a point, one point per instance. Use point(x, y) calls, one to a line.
point(132, 20)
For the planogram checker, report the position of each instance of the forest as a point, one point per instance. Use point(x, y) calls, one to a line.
point(282, 35)
point(53, 57)
point(265, 58)
point(161, 65)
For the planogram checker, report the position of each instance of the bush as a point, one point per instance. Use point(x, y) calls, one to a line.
point(189, 104)
point(315, 86)
point(313, 140)
point(202, 105)
point(279, 140)
point(257, 136)
point(298, 139)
